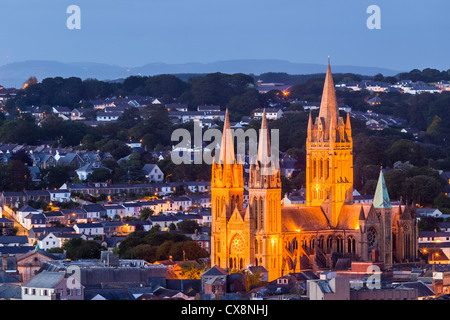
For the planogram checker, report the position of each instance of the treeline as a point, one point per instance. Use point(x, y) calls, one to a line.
point(236, 91)
point(154, 245)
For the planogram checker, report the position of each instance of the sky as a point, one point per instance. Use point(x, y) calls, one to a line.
point(131, 33)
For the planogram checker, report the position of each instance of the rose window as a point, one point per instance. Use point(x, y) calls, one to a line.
point(238, 244)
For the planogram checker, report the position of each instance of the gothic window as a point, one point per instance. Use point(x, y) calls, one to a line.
point(330, 242)
point(217, 207)
point(351, 244)
point(255, 208)
point(312, 242)
point(293, 245)
point(340, 244)
point(237, 244)
point(406, 242)
point(326, 168)
point(314, 168)
point(320, 242)
point(372, 238)
point(256, 247)
point(304, 243)
point(320, 169)
point(261, 213)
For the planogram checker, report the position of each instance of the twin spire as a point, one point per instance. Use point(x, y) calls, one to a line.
point(227, 156)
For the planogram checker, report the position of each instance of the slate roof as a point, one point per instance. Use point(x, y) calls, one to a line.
point(10, 291)
point(215, 271)
point(303, 217)
point(27, 208)
point(422, 289)
point(6, 278)
point(93, 208)
point(108, 294)
point(5, 240)
point(45, 279)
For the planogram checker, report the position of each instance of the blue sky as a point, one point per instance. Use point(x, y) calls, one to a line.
point(413, 34)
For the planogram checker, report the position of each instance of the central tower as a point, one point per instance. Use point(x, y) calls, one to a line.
point(329, 156)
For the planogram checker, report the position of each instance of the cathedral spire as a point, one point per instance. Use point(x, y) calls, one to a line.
point(328, 106)
point(264, 151)
point(226, 155)
point(381, 198)
point(310, 124)
point(348, 125)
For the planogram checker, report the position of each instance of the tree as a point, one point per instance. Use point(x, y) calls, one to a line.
point(55, 177)
point(406, 150)
point(77, 248)
point(188, 226)
point(145, 213)
point(191, 271)
point(19, 177)
point(422, 189)
point(99, 175)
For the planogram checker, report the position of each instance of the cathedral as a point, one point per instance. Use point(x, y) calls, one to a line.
point(328, 229)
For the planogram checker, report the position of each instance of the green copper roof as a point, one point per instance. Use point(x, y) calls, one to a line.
point(381, 198)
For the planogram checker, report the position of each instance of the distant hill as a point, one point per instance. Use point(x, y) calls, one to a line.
point(15, 74)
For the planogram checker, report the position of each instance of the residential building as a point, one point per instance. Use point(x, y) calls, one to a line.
point(52, 286)
point(153, 173)
point(89, 229)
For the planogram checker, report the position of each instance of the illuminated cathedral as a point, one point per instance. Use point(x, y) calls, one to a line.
point(329, 228)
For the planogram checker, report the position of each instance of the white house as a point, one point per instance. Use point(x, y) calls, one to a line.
point(46, 285)
point(84, 172)
point(132, 209)
point(198, 186)
point(108, 116)
point(153, 172)
point(59, 195)
point(54, 240)
point(271, 113)
point(34, 221)
point(426, 212)
point(114, 209)
point(181, 203)
point(91, 229)
point(24, 212)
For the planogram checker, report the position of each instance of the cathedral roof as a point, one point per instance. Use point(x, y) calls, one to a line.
point(350, 215)
point(303, 218)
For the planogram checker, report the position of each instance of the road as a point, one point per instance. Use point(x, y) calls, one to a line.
point(21, 231)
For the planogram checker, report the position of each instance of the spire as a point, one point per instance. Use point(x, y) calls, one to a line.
point(310, 122)
point(264, 151)
point(226, 155)
point(381, 198)
point(328, 105)
point(348, 125)
point(362, 215)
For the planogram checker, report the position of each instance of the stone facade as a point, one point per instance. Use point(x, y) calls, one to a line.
point(329, 229)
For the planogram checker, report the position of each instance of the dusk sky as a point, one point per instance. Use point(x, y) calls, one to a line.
point(413, 34)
